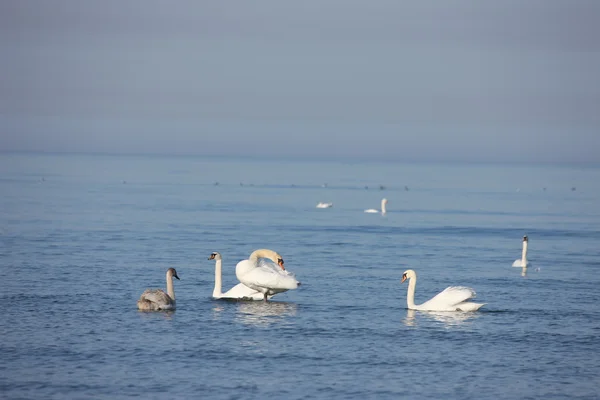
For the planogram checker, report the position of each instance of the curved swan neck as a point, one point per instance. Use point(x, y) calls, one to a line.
point(218, 282)
point(410, 295)
point(524, 255)
point(263, 253)
point(170, 290)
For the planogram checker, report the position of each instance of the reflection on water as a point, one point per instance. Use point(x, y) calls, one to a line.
point(151, 315)
point(449, 319)
point(260, 313)
point(409, 320)
point(524, 271)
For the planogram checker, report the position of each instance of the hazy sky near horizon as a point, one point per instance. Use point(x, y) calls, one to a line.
point(457, 80)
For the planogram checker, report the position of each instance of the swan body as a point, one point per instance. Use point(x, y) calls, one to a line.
point(239, 291)
point(324, 205)
point(522, 262)
point(157, 299)
point(266, 277)
point(375, 211)
point(453, 298)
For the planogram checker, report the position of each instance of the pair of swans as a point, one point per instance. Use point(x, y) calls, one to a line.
point(157, 299)
point(262, 276)
point(375, 211)
point(522, 262)
point(453, 298)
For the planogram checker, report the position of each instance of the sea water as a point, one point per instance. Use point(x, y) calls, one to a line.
point(81, 236)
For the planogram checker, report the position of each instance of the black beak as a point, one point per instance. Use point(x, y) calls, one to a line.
point(176, 277)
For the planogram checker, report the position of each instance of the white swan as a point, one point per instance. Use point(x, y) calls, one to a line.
point(157, 299)
point(383, 211)
point(522, 262)
point(453, 298)
point(267, 277)
point(239, 291)
point(324, 205)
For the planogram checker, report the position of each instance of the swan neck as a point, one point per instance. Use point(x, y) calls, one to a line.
point(383, 210)
point(218, 281)
point(410, 295)
point(524, 255)
point(263, 253)
point(170, 290)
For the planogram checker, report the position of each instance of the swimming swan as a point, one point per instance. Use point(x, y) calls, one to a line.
point(157, 299)
point(522, 262)
point(239, 291)
point(267, 277)
point(383, 211)
point(453, 298)
point(324, 205)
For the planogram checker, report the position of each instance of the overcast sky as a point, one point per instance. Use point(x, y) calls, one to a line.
point(466, 80)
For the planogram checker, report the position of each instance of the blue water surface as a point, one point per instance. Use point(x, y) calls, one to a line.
point(81, 236)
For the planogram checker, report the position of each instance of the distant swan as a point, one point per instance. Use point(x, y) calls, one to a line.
point(453, 298)
point(157, 299)
point(383, 211)
point(239, 291)
point(522, 262)
point(324, 205)
point(267, 277)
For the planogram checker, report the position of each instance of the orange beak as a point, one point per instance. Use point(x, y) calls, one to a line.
point(403, 278)
point(280, 263)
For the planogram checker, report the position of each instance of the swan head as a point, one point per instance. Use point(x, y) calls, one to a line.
point(215, 255)
point(173, 273)
point(525, 238)
point(279, 261)
point(409, 273)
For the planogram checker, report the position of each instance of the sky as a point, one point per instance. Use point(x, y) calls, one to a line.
point(457, 80)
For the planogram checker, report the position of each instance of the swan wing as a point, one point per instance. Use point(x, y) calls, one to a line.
point(519, 263)
point(449, 297)
point(269, 275)
point(156, 296)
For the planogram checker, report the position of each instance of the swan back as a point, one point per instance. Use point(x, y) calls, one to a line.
point(268, 275)
point(450, 297)
point(154, 300)
point(324, 205)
